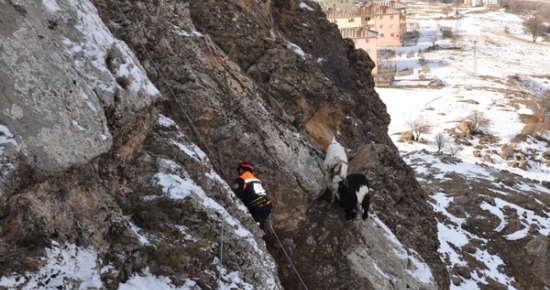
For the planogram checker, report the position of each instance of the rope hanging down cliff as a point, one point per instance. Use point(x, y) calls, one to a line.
point(204, 143)
point(173, 95)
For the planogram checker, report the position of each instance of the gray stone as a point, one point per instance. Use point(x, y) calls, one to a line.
point(55, 84)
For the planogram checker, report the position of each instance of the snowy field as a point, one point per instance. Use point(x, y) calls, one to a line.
point(500, 56)
point(503, 53)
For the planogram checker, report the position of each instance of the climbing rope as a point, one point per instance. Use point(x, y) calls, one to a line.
point(288, 257)
point(205, 145)
point(172, 93)
point(221, 255)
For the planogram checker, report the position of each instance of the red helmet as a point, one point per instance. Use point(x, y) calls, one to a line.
point(246, 164)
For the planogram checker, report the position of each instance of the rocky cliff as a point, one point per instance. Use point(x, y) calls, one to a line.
point(122, 123)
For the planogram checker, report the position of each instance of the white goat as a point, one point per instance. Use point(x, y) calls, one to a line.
point(336, 166)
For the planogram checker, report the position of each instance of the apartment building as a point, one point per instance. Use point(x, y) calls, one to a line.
point(334, 4)
point(389, 26)
point(349, 18)
point(364, 39)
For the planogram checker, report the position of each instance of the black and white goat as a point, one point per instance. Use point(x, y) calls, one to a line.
point(354, 191)
point(336, 167)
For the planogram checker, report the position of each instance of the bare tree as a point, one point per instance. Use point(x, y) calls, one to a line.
point(434, 37)
point(453, 150)
point(441, 140)
point(534, 27)
point(543, 111)
point(447, 10)
point(478, 120)
point(414, 27)
point(419, 126)
point(543, 104)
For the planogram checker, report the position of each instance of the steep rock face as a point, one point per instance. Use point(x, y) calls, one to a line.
point(505, 217)
point(56, 85)
point(238, 86)
point(289, 84)
point(400, 202)
point(95, 205)
point(234, 118)
point(270, 42)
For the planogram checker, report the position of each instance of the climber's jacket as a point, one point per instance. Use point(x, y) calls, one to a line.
point(250, 191)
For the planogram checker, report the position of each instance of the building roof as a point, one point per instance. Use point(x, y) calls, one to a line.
point(356, 32)
point(379, 10)
point(350, 12)
point(393, 11)
point(391, 4)
point(375, 8)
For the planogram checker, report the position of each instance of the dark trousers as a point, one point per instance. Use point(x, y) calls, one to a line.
point(260, 214)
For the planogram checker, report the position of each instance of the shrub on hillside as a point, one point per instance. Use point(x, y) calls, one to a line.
point(541, 115)
point(479, 121)
point(419, 126)
point(534, 27)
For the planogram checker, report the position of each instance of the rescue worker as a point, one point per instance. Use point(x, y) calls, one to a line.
point(250, 191)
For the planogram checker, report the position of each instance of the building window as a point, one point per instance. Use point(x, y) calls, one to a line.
point(367, 40)
point(368, 50)
point(355, 41)
point(335, 21)
point(391, 25)
point(351, 20)
point(393, 35)
point(367, 18)
point(391, 16)
point(381, 26)
point(381, 35)
point(381, 17)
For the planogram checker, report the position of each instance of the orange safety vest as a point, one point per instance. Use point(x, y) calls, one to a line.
point(258, 190)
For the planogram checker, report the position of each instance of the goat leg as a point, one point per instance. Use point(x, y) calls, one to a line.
point(365, 205)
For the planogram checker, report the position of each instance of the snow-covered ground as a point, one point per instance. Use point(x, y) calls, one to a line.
point(500, 56)
point(503, 52)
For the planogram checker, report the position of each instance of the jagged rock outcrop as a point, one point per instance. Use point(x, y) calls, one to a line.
point(269, 81)
point(56, 85)
point(505, 218)
point(53, 199)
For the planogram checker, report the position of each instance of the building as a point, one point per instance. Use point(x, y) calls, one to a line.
point(446, 31)
point(352, 17)
point(482, 2)
point(364, 39)
point(327, 4)
point(391, 4)
point(389, 24)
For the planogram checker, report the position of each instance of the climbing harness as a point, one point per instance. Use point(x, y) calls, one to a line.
point(261, 200)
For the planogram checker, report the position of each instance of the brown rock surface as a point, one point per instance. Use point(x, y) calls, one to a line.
point(241, 79)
